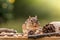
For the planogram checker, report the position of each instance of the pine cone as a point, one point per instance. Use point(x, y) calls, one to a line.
point(48, 28)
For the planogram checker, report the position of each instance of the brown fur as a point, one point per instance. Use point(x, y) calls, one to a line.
point(31, 25)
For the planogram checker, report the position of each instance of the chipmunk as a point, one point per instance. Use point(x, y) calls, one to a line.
point(31, 26)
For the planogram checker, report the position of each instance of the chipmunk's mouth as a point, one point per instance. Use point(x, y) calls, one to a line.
point(35, 25)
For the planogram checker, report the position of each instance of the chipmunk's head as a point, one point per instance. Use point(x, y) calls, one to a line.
point(33, 19)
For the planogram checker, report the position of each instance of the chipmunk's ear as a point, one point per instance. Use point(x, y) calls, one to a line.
point(29, 16)
point(35, 16)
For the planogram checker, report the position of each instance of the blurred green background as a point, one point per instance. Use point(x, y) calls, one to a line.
point(13, 13)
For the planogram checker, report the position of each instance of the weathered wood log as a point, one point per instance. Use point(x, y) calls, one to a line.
point(44, 35)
